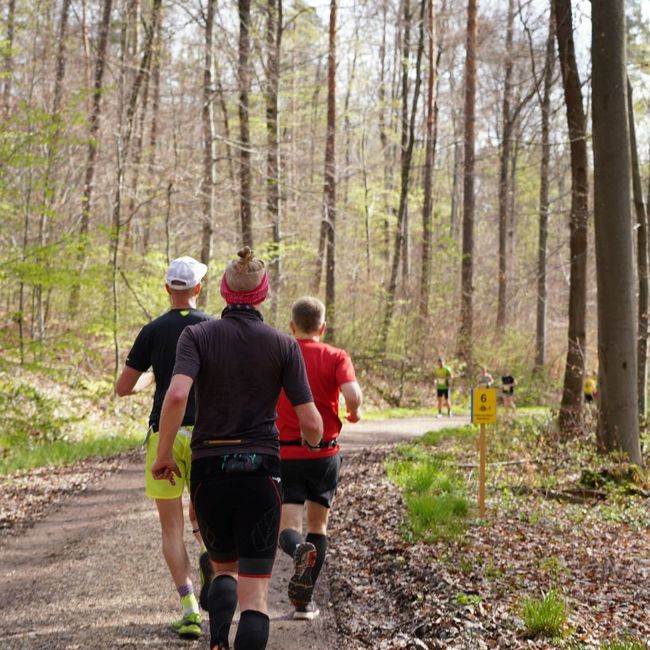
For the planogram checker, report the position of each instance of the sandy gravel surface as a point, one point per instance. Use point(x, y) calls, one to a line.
point(90, 573)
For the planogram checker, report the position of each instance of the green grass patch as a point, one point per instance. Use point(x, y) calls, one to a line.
point(62, 452)
point(545, 616)
point(467, 599)
point(434, 491)
point(623, 645)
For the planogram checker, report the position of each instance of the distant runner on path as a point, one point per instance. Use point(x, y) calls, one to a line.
point(443, 386)
point(310, 476)
point(238, 365)
point(155, 347)
point(508, 391)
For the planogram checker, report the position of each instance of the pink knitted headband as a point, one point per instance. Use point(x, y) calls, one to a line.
point(254, 297)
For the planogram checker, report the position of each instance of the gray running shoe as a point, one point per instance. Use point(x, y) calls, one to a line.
point(301, 585)
point(306, 612)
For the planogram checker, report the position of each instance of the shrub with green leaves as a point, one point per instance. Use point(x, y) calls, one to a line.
point(545, 616)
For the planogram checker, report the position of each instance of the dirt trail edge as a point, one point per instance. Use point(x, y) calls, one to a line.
point(90, 574)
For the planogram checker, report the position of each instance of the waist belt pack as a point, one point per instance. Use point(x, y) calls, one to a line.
point(329, 444)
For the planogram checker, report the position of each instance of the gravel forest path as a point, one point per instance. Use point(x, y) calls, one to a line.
point(90, 573)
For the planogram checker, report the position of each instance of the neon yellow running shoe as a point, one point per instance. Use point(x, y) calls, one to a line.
point(188, 627)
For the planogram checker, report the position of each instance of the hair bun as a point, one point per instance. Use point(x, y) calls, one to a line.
point(246, 254)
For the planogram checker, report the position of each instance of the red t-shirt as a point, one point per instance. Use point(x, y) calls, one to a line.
point(328, 368)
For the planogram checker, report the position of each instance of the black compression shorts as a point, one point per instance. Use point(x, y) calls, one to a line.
point(238, 501)
point(443, 392)
point(311, 480)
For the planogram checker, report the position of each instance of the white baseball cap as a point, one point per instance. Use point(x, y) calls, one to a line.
point(185, 273)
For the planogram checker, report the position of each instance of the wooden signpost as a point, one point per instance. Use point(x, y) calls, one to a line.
point(484, 411)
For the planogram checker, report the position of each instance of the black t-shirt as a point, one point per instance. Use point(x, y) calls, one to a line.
point(239, 364)
point(155, 347)
point(508, 382)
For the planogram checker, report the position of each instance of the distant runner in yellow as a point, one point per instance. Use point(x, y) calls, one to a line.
point(590, 389)
point(443, 386)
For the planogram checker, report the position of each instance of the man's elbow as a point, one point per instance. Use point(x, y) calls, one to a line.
point(175, 397)
point(122, 391)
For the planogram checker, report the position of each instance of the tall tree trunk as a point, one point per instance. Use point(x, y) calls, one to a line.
point(465, 345)
point(407, 144)
point(49, 190)
point(427, 208)
point(8, 62)
point(383, 137)
point(273, 43)
point(208, 179)
point(642, 262)
point(570, 418)
point(244, 73)
point(346, 117)
point(91, 156)
point(618, 412)
point(329, 190)
point(153, 139)
point(504, 160)
point(540, 338)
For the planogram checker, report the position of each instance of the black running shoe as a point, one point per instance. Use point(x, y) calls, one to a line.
point(301, 585)
point(206, 571)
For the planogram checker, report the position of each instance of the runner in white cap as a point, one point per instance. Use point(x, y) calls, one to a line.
point(155, 347)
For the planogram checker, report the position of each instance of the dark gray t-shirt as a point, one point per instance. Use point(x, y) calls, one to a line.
point(239, 365)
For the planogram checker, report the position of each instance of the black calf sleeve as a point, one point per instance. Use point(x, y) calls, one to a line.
point(253, 631)
point(222, 601)
point(320, 542)
point(289, 540)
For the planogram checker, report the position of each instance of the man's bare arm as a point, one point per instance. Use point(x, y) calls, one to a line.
point(171, 417)
point(311, 423)
point(353, 398)
point(132, 381)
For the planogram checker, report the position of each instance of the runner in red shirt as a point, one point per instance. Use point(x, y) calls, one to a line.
point(310, 474)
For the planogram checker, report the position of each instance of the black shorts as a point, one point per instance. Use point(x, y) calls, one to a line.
point(443, 392)
point(589, 397)
point(238, 502)
point(311, 480)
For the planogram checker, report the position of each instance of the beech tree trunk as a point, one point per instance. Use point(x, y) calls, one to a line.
point(618, 399)
point(467, 264)
point(8, 62)
point(570, 418)
point(427, 208)
point(91, 157)
point(329, 190)
point(407, 144)
point(504, 160)
point(273, 44)
point(208, 179)
point(540, 338)
point(642, 262)
point(243, 72)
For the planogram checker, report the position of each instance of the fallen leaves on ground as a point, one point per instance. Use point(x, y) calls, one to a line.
point(390, 594)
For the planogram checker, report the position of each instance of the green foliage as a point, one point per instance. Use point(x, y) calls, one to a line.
point(545, 616)
point(467, 599)
point(623, 645)
point(435, 493)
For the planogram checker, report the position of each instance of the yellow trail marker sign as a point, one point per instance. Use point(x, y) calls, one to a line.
point(484, 406)
point(484, 411)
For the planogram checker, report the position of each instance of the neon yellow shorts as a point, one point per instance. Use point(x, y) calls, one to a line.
point(182, 455)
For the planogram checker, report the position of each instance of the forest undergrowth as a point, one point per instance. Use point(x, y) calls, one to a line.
point(560, 559)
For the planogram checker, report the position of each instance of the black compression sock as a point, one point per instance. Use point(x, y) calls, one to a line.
point(320, 542)
point(289, 540)
point(222, 601)
point(253, 631)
